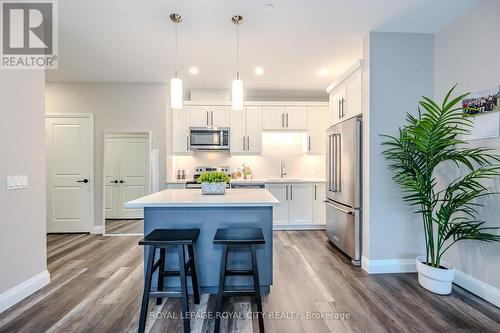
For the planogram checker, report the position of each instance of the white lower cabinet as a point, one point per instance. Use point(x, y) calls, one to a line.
point(301, 205)
point(280, 213)
point(300, 198)
point(319, 209)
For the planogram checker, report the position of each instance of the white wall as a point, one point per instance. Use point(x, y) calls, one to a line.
point(116, 107)
point(22, 212)
point(399, 69)
point(468, 53)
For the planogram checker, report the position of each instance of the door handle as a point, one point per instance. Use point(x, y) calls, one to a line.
point(287, 120)
point(315, 197)
point(122, 181)
point(350, 212)
point(338, 108)
point(212, 117)
point(248, 143)
point(282, 120)
point(291, 192)
point(243, 143)
point(343, 114)
point(207, 118)
point(83, 181)
point(114, 181)
point(286, 192)
point(309, 143)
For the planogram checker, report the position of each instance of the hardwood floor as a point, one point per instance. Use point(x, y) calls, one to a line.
point(96, 283)
point(124, 226)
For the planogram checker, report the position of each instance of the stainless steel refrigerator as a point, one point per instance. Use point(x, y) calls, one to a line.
point(343, 190)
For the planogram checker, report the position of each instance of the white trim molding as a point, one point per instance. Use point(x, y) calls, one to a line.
point(388, 265)
point(97, 230)
point(477, 287)
point(23, 290)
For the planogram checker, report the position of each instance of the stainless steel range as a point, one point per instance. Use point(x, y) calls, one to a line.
point(201, 169)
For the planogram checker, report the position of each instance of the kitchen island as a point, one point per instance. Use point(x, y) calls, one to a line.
point(238, 208)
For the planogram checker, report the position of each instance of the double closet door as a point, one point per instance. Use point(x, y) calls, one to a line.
point(126, 174)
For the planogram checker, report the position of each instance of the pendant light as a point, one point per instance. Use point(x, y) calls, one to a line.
point(175, 82)
point(237, 86)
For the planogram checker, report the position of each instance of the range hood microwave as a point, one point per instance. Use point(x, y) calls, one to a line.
point(209, 139)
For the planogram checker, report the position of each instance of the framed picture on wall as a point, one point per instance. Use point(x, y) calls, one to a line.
point(484, 106)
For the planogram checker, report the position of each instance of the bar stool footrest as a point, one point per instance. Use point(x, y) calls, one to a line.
point(239, 292)
point(239, 272)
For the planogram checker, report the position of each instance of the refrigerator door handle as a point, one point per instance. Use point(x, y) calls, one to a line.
point(329, 203)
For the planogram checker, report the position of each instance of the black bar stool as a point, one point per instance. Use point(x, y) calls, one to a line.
point(233, 237)
point(161, 239)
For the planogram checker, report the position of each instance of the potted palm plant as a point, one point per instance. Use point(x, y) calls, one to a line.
point(213, 182)
point(449, 213)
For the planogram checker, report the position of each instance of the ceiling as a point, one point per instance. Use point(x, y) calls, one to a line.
point(132, 41)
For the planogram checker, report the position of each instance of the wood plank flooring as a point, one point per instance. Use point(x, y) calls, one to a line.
point(96, 285)
point(124, 227)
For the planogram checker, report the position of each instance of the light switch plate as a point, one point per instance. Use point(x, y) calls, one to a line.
point(17, 182)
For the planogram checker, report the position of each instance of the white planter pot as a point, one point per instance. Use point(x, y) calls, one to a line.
point(213, 188)
point(437, 280)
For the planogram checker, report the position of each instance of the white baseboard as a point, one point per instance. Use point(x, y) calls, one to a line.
point(388, 265)
point(477, 287)
point(97, 230)
point(23, 290)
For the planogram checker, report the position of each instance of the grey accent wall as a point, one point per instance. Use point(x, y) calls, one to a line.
point(468, 53)
point(399, 69)
point(22, 152)
point(116, 107)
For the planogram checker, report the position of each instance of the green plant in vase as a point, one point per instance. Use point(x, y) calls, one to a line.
point(449, 214)
point(213, 182)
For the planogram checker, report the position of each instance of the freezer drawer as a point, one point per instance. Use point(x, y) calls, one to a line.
point(343, 228)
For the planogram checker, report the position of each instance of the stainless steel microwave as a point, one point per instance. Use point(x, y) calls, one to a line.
point(205, 138)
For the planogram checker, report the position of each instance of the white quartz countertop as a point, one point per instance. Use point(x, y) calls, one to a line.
point(194, 198)
point(262, 180)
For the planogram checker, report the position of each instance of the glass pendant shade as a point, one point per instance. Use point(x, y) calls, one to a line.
point(237, 95)
point(176, 93)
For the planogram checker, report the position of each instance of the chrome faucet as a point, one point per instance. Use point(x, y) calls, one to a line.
point(283, 169)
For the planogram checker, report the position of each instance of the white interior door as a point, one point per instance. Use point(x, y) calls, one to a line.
point(69, 158)
point(134, 174)
point(112, 152)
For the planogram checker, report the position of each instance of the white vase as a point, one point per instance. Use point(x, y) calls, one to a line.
point(213, 188)
point(437, 280)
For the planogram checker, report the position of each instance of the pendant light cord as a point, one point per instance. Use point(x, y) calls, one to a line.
point(176, 51)
point(237, 52)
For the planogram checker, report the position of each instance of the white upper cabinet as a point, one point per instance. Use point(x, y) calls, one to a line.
point(208, 116)
point(273, 117)
point(246, 130)
point(180, 131)
point(219, 116)
point(284, 118)
point(317, 123)
point(199, 116)
point(254, 128)
point(345, 95)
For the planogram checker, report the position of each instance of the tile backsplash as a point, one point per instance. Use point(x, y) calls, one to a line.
point(276, 147)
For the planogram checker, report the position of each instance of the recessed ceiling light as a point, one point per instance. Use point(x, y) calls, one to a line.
point(268, 7)
point(323, 72)
point(194, 70)
point(259, 70)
